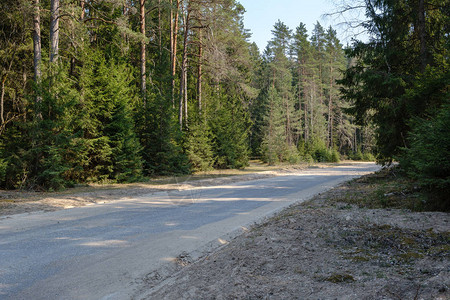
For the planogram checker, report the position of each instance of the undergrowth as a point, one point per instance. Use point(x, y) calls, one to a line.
point(388, 188)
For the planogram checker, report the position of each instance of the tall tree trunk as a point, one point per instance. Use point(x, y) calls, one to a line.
point(185, 98)
point(2, 97)
point(171, 33)
point(305, 113)
point(422, 36)
point(311, 107)
point(124, 36)
point(2, 101)
point(305, 102)
point(288, 123)
point(54, 30)
point(183, 82)
point(174, 47)
point(37, 51)
point(159, 29)
point(199, 71)
point(330, 111)
point(143, 71)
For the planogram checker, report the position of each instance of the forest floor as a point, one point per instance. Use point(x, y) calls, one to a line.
point(365, 239)
point(22, 201)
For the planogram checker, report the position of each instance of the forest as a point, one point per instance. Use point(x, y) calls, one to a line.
point(122, 90)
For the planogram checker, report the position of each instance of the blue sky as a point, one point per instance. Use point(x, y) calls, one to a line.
point(261, 15)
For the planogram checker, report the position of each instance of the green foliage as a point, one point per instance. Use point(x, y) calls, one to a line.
point(52, 168)
point(335, 156)
point(317, 150)
point(358, 155)
point(383, 77)
point(3, 168)
point(292, 155)
point(88, 121)
point(160, 137)
point(51, 133)
point(428, 157)
point(362, 156)
point(299, 100)
point(106, 123)
point(198, 148)
point(274, 142)
point(230, 131)
point(367, 156)
point(400, 81)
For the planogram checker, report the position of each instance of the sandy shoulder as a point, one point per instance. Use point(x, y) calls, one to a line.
point(323, 250)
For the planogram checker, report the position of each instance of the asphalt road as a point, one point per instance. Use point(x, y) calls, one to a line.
point(114, 250)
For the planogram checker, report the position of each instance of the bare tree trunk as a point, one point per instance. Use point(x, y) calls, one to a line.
point(199, 71)
point(311, 107)
point(305, 113)
point(305, 104)
point(159, 28)
point(37, 51)
point(143, 71)
point(185, 98)
point(82, 4)
point(183, 82)
point(330, 111)
point(54, 30)
point(422, 36)
point(2, 100)
point(288, 123)
point(171, 33)
point(174, 50)
point(124, 43)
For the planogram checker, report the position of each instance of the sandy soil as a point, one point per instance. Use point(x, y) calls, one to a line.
point(18, 202)
point(323, 249)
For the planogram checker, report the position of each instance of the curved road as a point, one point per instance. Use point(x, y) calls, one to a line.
point(112, 251)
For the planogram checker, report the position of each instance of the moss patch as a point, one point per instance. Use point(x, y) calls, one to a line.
point(340, 278)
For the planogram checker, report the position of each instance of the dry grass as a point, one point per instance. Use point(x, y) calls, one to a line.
point(385, 189)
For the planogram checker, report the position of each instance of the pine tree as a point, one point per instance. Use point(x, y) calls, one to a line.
point(303, 69)
point(281, 120)
point(274, 142)
point(406, 36)
point(106, 121)
point(335, 62)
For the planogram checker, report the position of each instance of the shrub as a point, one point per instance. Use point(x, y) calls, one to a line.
point(335, 156)
point(367, 156)
point(292, 155)
point(3, 167)
point(198, 148)
point(428, 157)
point(307, 158)
point(358, 155)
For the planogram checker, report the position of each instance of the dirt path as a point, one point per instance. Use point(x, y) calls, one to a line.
point(324, 249)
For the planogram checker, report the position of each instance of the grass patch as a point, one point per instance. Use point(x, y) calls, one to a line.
point(388, 188)
point(340, 278)
point(388, 246)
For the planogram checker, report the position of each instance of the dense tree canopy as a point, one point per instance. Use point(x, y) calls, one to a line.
point(400, 81)
point(116, 90)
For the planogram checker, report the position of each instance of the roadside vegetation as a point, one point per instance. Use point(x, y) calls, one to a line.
point(391, 188)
